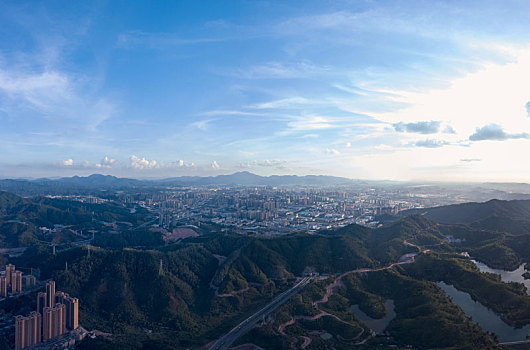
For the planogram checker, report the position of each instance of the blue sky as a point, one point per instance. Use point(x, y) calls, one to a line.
point(404, 90)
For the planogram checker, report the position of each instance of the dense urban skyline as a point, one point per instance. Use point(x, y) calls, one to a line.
point(377, 90)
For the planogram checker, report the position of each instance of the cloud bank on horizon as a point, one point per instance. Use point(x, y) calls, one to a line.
point(381, 90)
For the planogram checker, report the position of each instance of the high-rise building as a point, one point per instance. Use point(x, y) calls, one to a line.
point(27, 330)
point(18, 282)
point(59, 320)
point(3, 286)
point(13, 280)
point(47, 321)
point(59, 312)
point(41, 302)
point(50, 294)
point(60, 296)
point(9, 269)
point(20, 332)
point(72, 312)
point(28, 281)
point(53, 322)
point(34, 328)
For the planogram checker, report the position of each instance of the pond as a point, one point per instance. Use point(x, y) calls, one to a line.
point(377, 325)
point(506, 276)
point(487, 319)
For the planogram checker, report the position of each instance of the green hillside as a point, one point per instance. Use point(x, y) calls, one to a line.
point(210, 283)
point(21, 218)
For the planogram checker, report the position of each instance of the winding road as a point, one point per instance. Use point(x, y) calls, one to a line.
point(226, 341)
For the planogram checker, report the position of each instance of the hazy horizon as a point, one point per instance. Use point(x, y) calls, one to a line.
point(146, 178)
point(390, 90)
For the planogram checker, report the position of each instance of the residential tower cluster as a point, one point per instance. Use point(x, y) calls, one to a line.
point(12, 281)
point(56, 314)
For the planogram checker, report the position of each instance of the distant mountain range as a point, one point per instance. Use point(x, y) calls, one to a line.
point(246, 178)
point(100, 182)
point(97, 182)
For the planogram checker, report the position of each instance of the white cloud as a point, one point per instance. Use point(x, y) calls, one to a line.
point(202, 124)
point(423, 127)
point(431, 143)
point(494, 93)
point(332, 151)
point(215, 165)
point(177, 164)
point(68, 162)
point(449, 130)
point(495, 132)
point(143, 163)
point(106, 163)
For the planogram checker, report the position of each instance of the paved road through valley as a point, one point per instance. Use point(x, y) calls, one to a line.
point(226, 341)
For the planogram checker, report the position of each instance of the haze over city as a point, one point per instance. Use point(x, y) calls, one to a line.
point(374, 90)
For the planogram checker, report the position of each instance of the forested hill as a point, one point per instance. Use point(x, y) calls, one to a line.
point(467, 213)
point(210, 283)
point(124, 292)
point(21, 218)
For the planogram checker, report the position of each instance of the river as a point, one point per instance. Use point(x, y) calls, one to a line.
point(487, 319)
point(506, 276)
point(377, 325)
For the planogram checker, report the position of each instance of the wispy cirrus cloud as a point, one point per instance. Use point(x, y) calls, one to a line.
point(281, 70)
point(54, 95)
point(202, 124)
point(312, 123)
point(158, 40)
point(229, 112)
point(41, 90)
point(284, 103)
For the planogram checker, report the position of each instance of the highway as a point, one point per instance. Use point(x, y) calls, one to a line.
point(226, 341)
